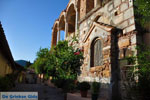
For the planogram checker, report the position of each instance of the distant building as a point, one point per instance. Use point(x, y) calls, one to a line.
point(7, 64)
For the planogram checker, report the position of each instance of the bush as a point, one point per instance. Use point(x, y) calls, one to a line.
point(139, 76)
point(67, 85)
point(83, 86)
point(58, 82)
point(7, 82)
point(95, 87)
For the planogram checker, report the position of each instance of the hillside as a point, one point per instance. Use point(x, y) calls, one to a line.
point(21, 62)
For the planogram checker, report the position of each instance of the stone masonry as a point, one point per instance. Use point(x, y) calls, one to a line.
point(106, 30)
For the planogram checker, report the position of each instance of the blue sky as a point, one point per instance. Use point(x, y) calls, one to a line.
point(27, 24)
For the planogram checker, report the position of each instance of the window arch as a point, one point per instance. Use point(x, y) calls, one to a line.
point(71, 18)
point(96, 52)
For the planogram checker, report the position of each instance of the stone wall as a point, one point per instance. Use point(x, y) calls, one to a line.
point(117, 13)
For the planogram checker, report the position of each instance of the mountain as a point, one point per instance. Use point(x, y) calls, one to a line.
point(22, 62)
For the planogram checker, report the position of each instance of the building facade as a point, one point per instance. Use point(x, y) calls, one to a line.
point(107, 33)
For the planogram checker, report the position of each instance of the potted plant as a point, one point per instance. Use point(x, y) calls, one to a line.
point(83, 87)
point(95, 90)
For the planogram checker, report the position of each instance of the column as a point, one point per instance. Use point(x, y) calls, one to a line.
point(58, 35)
point(76, 23)
point(95, 3)
point(52, 41)
point(66, 29)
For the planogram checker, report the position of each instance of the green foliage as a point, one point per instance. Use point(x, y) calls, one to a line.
point(64, 62)
point(141, 70)
point(28, 64)
point(43, 53)
point(67, 85)
point(83, 86)
point(41, 61)
point(7, 82)
point(143, 67)
point(131, 60)
point(64, 65)
point(95, 87)
point(142, 11)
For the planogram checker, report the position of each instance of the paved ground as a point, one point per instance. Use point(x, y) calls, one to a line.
point(49, 92)
point(44, 92)
point(77, 96)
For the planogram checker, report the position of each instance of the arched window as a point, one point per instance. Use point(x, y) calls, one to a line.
point(71, 19)
point(96, 52)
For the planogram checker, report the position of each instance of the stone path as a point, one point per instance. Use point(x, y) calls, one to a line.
point(77, 96)
point(49, 92)
point(44, 92)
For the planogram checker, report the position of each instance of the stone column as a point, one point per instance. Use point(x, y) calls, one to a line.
point(95, 3)
point(66, 29)
point(58, 35)
point(76, 26)
point(52, 41)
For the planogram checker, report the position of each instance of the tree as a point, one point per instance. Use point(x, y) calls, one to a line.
point(142, 11)
point(62, 62)
point(66, 60)
point(28, 64)
point(64, 65)
point(41, 61)
point(139, 76)
point(143, 71)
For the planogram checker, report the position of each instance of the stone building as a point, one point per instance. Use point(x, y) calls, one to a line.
point(7, 64)
point(107, 33)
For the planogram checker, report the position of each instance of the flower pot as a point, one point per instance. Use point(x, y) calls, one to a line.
point(83, 93)
point(95, 96)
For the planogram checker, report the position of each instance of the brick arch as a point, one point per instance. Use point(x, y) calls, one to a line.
point(63, 13)
point(70, 9)
point(54, 33)
point(71, 2)
point(62, 20)
point(71, 18)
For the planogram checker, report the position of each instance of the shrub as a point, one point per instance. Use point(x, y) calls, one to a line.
point(95, 87)
point(83, 86)
point(7, 82)
point(139, 76)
